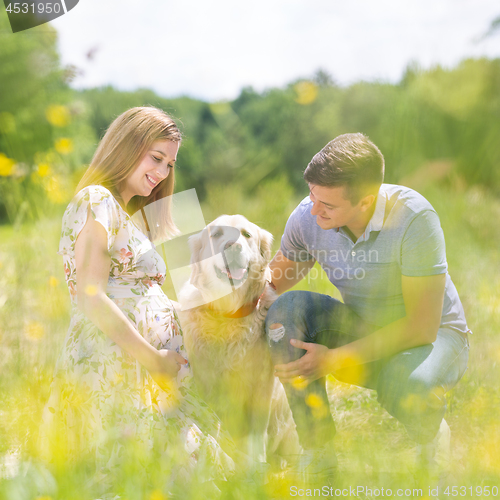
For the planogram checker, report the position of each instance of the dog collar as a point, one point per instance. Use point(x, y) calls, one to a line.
point(244, 310)
point(249, 307)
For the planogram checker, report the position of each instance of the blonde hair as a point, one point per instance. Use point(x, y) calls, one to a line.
point(120, 151)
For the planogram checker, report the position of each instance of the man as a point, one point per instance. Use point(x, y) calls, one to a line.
point(401, 328)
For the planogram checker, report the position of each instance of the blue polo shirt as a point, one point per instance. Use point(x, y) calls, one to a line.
point(403, 238)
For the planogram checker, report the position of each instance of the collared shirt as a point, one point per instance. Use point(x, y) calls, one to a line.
point(402, 238)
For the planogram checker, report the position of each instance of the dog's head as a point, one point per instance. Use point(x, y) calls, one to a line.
point(230, 256)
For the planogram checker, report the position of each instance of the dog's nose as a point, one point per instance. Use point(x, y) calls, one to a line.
point(236, 247)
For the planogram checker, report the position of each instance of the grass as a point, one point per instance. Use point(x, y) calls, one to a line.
point(373, 448)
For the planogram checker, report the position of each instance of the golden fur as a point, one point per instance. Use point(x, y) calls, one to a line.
point(229, 355)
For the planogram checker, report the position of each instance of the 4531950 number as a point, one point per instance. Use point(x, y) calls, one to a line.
point(40, 8)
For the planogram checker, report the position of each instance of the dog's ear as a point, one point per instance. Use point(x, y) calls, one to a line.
point(266, 243)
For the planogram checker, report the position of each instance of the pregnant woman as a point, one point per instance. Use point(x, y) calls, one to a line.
point(120, 398)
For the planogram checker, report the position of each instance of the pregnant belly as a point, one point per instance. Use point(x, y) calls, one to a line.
point(155, 319)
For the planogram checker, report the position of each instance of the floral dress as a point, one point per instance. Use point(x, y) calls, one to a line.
point(101, 398)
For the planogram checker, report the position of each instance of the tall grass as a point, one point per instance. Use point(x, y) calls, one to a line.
point(373, 448)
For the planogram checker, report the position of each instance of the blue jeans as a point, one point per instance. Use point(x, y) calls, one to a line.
point(410, 385)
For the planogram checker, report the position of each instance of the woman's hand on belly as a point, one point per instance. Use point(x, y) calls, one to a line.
point(164, 366)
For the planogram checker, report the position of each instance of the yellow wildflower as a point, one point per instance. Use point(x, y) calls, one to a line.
point(58, 115)
point(54, 192)
point(314, 401)
point(157, 495)
point(279, 487)
point(43, 170)
point(351, 370)
point(64, 145)
point(34, 330)
point(317, 405)
point(6, 165)
point(299, 383)
point(307, 92)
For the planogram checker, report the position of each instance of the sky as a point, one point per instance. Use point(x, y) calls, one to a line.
point(211, 50)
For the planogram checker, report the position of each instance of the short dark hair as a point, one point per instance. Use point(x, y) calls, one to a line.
point(350, 160)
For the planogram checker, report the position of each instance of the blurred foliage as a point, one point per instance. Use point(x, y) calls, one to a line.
point(44, 133)
point(372, 447)
point(438, 114)
point(48, 131)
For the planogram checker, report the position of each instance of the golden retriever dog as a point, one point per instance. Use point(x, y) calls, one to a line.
point(224, 305)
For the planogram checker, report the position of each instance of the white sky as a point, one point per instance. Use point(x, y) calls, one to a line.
point(211, 49)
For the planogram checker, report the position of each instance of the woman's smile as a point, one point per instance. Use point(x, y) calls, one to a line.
point(154, 167)
point(151, 180)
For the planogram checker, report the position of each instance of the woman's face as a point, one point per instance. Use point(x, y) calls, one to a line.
point(152, 169)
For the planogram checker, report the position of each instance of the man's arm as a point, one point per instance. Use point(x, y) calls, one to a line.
point(286, 272)
point(423, 298)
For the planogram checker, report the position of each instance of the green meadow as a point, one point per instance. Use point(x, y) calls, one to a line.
point(438, 129)
point(373, 448)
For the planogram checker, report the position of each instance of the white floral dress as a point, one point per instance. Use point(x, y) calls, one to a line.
point(101, 399)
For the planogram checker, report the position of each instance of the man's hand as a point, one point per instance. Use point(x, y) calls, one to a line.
point(314, 364)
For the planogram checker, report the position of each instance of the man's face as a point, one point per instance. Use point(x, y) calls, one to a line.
point(331, 207)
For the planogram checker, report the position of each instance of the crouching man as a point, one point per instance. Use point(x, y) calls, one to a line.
point(400, 330)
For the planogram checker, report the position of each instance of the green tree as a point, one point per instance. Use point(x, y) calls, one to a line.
point(30, 77)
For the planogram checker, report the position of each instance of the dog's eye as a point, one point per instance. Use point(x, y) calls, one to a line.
point(217, 234)
point(246, 234)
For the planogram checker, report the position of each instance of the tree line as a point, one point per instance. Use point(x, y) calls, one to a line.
point(436, 118)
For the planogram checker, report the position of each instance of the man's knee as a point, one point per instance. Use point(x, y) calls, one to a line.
point(276, 332)
point(283, 318)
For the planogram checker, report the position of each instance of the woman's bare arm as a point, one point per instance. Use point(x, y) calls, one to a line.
point(92, 270)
